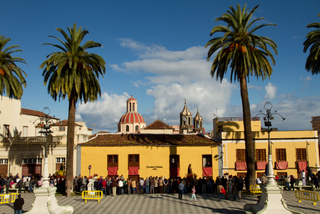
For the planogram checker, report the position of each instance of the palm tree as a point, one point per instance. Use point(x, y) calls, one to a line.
point(313, 40)
point(11, 76)
point(72, 72)
point(246, 53)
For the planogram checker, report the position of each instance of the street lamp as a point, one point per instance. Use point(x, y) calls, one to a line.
point(267, 117)
point(45, 200)
point(46, 122)
point(271, 200)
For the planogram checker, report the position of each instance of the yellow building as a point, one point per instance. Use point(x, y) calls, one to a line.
point(292, 151)
point(144, 155)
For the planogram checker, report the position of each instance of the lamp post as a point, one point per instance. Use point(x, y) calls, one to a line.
point(271, 200)
point(46, 125)
point(268, 116)
point(45, 199)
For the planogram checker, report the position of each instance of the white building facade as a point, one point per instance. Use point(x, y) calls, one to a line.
point(22, 147)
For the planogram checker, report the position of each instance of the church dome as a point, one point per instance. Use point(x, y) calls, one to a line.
point(131, 117)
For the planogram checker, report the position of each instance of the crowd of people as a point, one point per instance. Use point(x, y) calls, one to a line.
point(118, 185)
point(27, 183)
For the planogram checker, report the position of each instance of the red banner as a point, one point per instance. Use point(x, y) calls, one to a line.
point(281, 164)
point(302, 165)
point(133, 170)
point(112, 170)
point(241, 165)
point(261, 165)
point(207, 171)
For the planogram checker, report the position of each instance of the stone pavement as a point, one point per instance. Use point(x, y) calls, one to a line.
point(163, 203)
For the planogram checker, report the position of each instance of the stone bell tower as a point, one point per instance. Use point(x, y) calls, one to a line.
point(185, 120)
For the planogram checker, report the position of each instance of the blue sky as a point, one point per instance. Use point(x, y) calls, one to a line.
point(154, 50)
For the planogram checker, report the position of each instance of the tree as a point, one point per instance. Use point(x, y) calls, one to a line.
point(313, 40)
point(246, 53)
point(72, 72)
point(11, 76)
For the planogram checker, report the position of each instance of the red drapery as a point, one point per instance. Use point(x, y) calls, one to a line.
point(134, 170)
point(302, 165)
point(174, 171)
point(281, 164)
point(207, 171)
point(261, 165)
point(112, 170)
point(241, 165)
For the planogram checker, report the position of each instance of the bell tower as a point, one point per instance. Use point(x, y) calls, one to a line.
point(198, 123)
point(185, 120)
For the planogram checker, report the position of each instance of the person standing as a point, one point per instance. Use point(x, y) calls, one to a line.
point(151, 185)
point(147, 184)
point(193, 194)
point(160, 185)
point(219, 190)
point(165, 185)
point(7, 185)
point(292, 181)
point(120, 184)
point(287, 180)
point(234, 191)
point(141, 185)
point(104, 186)
point(129, 185)
point(134, 186)
point(20, 183)
point(181, 188)
point(114, 186)
point(303, 177)
point(156, 183)
point(18, 205)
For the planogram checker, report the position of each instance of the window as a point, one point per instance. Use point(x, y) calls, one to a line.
point(31, 160)
point(261, 155)
point(133, 158)
point(3, 161)
point(241, 155)
point(206, 160)
point(6, 131)
point(25, 131)
point(127, 128)
point(281, 155)
point(62, 128)
point(137, 128)
point(301, 154)
point(60, 160)
point(112, 160)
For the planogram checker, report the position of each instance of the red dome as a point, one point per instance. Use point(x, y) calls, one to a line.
point(131, 117)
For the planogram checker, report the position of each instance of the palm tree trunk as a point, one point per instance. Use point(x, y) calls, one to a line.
point(70, 139)
point(250, 146)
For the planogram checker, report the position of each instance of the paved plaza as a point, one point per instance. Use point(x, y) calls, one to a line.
point(163, 203)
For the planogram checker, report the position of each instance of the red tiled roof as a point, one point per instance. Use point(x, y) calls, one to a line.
point(35, 113)
point(158, 124)
point(131, 117)
point(149, 139)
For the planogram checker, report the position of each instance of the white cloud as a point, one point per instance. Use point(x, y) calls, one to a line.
point(104, 113)
point(170, 77)
point(271, 91)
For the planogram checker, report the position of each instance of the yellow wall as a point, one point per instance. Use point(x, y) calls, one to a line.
point(96, 156)
point(234, 126)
